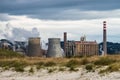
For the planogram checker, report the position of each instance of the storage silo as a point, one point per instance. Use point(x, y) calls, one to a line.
point(34, 48)
point(54, 49)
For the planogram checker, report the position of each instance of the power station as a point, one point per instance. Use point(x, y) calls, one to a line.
point(104, 38)
point(69, 48)
point(54, 48)
point(34, 48)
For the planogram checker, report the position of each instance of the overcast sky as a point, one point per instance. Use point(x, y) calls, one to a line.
point(50, 18)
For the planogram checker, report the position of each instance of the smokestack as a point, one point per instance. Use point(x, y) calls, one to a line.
point(65, 41)
point(104, 38)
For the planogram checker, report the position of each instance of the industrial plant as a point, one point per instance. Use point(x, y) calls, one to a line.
point(57, 47)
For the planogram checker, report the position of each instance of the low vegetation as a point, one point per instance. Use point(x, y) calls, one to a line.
point(9, 54)
point(18, 62)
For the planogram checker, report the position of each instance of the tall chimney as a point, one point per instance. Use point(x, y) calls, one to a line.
point(65, 42)
point(104, 38)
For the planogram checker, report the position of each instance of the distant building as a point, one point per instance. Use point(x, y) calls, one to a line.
point(86, 48)
point(80, 48)
point(70, 48)
point(20, 47)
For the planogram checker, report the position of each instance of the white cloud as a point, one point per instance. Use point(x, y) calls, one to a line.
point(50, 28)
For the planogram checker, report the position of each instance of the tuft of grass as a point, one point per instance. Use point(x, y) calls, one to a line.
point(39, 65)
point(111, 68)
point(61, 69)
point(10, 54)
point(72, 63)
point(51, 70)
point(84, 61)
point(89, 67)
point(31, 70)
point(49, 64)
point(104, 61)
point(73, 69)
point(19, 69)
point(17, 65)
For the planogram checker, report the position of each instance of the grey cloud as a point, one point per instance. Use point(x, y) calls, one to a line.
point(5, 17)
point(55, 9)
point(12, 33)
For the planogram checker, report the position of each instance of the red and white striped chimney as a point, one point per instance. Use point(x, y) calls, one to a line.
point(104, 38)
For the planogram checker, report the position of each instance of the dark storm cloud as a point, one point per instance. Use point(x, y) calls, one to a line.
point(55, 9)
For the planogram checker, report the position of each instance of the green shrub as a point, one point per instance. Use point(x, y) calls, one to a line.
point(50, 70)
point(14, 64)
point(89, 67)
point(61, 69)
point(104, 61)
point(114, 67)
point(9, 54)
point(72, 63)
point(111, 68)
point(31, 70)
point(73, 69)
point(49, 64)
point(19, 69)
point(84, 61)
point(40, 65)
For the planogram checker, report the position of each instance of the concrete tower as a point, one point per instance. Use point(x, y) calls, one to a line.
point(104, 38)
point(34, 48)
point(65, 42)
point(54, 49)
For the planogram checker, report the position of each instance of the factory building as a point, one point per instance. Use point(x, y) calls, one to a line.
point(80, 48)
point(86, 48)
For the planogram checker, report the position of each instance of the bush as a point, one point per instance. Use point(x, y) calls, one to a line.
point(104, 61)
point(72, 63)
point(111, 68)
point(15, 64)
point(40, 65)
point(89, 67)
point(31, 70)
point(84, 61)
point(73, 69)
point(19, 69)
point(49, 64)
point(114, 67)
point(9, 54)
point(61, 69)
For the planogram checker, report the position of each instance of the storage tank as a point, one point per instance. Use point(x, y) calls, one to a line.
point(54, 49)
point(34, 48)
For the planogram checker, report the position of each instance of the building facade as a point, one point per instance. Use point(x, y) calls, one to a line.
point(86, 48)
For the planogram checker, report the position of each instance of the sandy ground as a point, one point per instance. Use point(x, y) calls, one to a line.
point(58, 75)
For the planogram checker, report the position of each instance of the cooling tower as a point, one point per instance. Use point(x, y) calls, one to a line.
point(54, 49)
point(34, 48)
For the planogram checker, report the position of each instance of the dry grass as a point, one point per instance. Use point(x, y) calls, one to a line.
point(62, 62)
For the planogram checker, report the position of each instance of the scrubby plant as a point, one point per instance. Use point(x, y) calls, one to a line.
point(31, 70)
point(104, 61)
point(61, 69)
point(49, 64)
point(73, 69)
point(19, 69)
point(84, 61)
point(10, 54)
point(89, 67)
point(111, 68)
point(50, 70)
point(39, 65)
point(72, 63)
